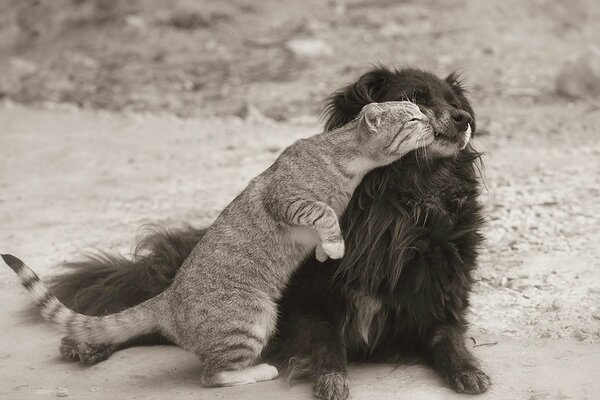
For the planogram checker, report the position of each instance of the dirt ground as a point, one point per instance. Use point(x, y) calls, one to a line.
point(77, 181)
point(128, 113)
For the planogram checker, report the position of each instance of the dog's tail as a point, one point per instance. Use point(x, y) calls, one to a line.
point(102, 283)
point(113, 328)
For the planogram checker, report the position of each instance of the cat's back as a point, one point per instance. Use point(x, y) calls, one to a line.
point(303, 154)
point(307, 166)
point(242, 220)
point(247, 223)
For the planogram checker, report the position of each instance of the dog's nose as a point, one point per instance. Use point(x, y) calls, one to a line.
point(461, 119)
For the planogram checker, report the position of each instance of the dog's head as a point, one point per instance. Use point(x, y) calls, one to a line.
point(443, 101)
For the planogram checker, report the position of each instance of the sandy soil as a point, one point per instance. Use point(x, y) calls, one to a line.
point(75, 177)
point(532, 370)
point(76, 181)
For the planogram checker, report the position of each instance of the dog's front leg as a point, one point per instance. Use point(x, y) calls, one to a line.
point(454, 361)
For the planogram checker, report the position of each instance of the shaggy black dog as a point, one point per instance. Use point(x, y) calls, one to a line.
point(412, 232)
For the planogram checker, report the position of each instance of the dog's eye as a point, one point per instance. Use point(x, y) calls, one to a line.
point(421, 95)
point(454, 105)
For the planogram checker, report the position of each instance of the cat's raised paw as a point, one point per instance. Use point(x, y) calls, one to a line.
point(334, 250)
point(320, 254)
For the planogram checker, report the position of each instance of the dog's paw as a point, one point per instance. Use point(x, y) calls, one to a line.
point(332, 386)
point(68, 349)
point(470, 380)
point(90, 354)
point(335, 250)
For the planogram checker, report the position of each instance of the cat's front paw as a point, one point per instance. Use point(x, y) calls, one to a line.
point(320, 254)
point(334, 250)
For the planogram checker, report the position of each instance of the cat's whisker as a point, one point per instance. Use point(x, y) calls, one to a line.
point(417, 154)
point(424, 148)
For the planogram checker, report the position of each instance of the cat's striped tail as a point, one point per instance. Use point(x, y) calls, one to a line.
point(113, 328)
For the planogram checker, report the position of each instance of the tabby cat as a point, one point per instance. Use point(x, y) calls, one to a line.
point(222, 303)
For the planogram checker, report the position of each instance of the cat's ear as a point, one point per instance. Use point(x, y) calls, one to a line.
point(371, 116)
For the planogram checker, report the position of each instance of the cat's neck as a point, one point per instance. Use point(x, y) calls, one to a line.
point(344, 146)
point(349, 131)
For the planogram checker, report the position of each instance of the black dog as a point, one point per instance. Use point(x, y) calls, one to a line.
point(412, 232)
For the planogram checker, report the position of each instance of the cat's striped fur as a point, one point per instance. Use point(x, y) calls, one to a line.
point(222, 303)
point(114, 328)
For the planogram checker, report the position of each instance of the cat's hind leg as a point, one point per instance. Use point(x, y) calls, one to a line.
point(256, 373)
point(68, 349)
point(232, 354)
point(93, 353)
point(231, 360)
point(87, 353)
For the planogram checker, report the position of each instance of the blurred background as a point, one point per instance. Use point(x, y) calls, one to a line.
point(115, 113)
point(211, 57)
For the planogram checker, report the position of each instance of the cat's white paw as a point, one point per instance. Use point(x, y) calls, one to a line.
point(320, 254)
point(334, 250)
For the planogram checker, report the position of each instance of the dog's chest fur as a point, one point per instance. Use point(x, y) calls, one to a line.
point(423, 287)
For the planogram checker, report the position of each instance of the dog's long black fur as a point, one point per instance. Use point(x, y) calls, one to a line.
point(412, 233)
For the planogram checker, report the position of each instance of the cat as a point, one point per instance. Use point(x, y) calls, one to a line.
point(222, 303)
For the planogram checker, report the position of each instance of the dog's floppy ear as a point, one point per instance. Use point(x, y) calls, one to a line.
point(456, 83)
point(345, 104)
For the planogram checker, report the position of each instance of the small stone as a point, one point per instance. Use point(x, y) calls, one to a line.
point(82, 60)
point(580, 77)
point(251, 113)
point(558, 304)
point(340, 8)
point(580, 335)
point(136, 22)
point(547, 334)
point(541, 395)
point(596, 315)
point(394, 30)
point(445, 60)
point(309, 48)
point(561, 396)
point(62, 392)
point(488, 50)
point(189, 20)
point(23, 68)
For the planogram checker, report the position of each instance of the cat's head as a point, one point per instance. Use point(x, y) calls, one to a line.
point(391, 129)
